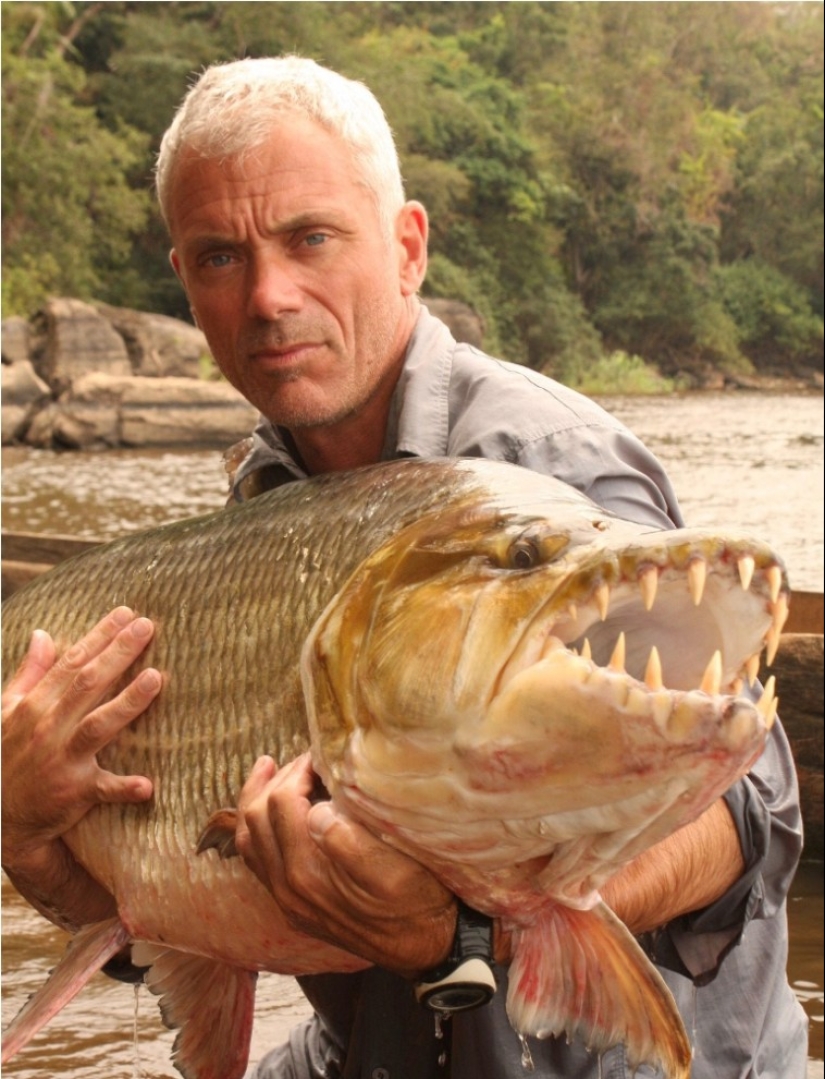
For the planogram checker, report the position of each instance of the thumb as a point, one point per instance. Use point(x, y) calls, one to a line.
point(39, 659)
point(344, 840)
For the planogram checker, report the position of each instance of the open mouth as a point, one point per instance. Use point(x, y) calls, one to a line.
point(650, 630)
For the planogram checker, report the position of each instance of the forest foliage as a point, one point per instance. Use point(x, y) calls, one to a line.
point(643, 181)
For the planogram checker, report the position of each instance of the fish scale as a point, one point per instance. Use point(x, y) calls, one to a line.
point(419, 624)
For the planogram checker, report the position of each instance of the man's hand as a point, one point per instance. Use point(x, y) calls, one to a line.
point(53, 726)
point(334, 880)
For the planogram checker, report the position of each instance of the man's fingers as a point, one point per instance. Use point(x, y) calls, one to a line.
point(39, 659)
point(99, 728)
point(90, 668)
point(122, 789)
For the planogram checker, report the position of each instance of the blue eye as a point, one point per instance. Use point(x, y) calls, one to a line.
point(217, 261)
point(315, 239)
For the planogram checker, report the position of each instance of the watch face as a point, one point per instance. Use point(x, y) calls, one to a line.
point(458, 996)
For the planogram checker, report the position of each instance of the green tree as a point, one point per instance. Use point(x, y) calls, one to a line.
point(71, 200)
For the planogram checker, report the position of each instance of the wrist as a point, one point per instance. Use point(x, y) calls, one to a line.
point(465, 979)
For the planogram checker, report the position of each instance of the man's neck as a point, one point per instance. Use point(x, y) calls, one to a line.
point(356, 440)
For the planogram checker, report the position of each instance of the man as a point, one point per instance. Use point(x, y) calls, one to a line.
point(301, 260)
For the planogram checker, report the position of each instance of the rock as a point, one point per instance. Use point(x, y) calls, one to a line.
point(192, 414)
point(77, 339)
point(158, 345)
point(462, 320)
point(134, 411)
point(15, 340)
point(20, 384)
point(22, 394)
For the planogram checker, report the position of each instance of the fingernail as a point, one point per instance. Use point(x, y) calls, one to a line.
point(142, 628)
point(320, 819)
point(122, 616)
point(149, 680)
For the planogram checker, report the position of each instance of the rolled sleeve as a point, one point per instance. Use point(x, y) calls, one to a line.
point(765, 809)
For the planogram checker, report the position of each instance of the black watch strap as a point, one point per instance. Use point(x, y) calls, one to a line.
point(465, 979)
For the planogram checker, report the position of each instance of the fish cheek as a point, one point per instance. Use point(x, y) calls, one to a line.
point(544, 723)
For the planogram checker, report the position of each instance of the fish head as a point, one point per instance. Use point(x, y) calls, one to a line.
point(522, 652)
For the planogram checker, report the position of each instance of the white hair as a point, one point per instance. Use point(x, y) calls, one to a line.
point(233, 107)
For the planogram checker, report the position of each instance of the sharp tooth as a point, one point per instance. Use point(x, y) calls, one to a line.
point(617, 659)
point(586, 650)
point(780, 613)
point(766, 704)
point(774, 575)
point(648, 584)
point(712, 678)
point(746, 567)
point(602, 598)
point(662, 707)
point(697, 573)
point(752, 669)
point(771, 644)
point(653, 671)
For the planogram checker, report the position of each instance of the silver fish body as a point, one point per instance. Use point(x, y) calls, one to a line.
point(498, 677)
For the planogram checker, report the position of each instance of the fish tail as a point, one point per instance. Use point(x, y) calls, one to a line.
point(88, 951)
point(581, 974)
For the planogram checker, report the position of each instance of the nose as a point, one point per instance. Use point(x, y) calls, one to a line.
point(272, 288)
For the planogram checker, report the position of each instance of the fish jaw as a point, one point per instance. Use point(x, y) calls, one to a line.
point(457, 706)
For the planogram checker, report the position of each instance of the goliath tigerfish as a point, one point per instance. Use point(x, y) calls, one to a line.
point(519, 689)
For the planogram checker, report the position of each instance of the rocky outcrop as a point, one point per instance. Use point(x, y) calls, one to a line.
point(81, 376)
point(86, 375)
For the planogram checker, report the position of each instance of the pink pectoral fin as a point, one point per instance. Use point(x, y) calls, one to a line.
point(88, 951)
point(210, 1004)
point(219, 833)
point(581, 974)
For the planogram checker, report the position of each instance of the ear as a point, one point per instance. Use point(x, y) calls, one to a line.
point(411, 230)
point(174, 258)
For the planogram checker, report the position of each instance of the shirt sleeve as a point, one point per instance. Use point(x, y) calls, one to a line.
point(613, 468)
point(765, 809)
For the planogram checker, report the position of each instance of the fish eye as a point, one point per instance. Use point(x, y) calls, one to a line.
point(524, 554)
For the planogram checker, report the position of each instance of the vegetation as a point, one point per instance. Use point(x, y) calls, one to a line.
point(611, 185)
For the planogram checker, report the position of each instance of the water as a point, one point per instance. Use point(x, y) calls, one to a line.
point(750, 461)
point(753, 461)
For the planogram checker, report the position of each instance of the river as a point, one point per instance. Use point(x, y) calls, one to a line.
point(749, 461)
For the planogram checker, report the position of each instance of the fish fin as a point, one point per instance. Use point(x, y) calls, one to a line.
point(219, 834)
point(89, 949)
point(581, 974)
point(210, 1004)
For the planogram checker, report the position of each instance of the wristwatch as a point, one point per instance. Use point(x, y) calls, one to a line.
point(465, 979)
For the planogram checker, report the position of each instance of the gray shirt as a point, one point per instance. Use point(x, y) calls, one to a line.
point(725, 964)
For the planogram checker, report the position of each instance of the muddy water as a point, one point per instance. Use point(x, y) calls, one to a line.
point(751, 461)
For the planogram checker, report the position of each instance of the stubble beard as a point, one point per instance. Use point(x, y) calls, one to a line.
point(308, 409)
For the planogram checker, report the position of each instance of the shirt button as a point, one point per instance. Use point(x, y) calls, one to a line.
point(380, 1073)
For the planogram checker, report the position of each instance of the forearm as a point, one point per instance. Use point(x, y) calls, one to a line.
point(55, 884)
point(685, 872)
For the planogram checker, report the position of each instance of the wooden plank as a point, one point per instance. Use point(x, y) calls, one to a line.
point(805, 614)
point(37, 547)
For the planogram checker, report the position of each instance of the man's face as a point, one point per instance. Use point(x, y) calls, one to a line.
point(301, 294)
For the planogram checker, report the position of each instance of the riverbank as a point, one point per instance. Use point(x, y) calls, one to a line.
point(80, 376)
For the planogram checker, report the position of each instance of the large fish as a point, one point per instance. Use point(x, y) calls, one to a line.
point(497, 676)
